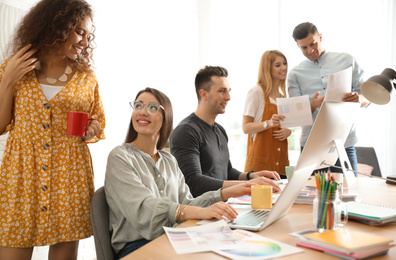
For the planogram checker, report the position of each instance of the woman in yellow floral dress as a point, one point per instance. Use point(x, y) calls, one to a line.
point(46, 177)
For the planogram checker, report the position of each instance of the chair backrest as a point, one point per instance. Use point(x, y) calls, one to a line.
point(100, 223)
point(367, 155)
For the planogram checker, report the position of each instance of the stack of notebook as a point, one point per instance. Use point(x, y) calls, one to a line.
point(371, 214)
point(347, 243)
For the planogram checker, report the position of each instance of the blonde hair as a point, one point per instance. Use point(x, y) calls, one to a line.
point(264, 73)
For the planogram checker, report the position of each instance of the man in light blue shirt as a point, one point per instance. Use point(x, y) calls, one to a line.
point(310, 78)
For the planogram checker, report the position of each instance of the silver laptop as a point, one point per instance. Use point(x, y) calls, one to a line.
point(334, 122)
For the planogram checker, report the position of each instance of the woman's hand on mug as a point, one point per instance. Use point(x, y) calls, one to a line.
point(93, 128)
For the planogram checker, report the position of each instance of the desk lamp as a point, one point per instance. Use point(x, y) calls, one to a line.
point(378, 89)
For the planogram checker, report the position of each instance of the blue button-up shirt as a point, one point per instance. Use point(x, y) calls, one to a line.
point(311, 76)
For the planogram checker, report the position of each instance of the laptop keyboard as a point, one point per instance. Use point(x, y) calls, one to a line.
point(252, 218)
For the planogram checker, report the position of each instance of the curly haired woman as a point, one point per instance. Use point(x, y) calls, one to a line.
point(46, 179)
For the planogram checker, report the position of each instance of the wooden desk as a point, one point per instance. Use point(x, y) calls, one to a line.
point(299, 218)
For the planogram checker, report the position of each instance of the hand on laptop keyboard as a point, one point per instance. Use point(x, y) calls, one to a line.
point(252, 218)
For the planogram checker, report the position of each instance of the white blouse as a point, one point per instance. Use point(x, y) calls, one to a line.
point(50, 91)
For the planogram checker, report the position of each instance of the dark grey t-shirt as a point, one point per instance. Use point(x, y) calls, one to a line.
point(202, 153)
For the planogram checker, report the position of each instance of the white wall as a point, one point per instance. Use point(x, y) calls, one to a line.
point(10, 14)
point(162, 44)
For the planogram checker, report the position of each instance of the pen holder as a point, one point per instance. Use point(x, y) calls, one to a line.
point(329, 212)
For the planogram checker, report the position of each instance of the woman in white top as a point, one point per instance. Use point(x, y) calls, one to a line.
point(145, 188)
point(267, 141)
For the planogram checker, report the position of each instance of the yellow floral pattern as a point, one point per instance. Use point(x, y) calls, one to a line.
point(46, 177)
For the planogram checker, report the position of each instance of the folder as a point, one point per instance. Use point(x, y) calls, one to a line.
point(347, 241)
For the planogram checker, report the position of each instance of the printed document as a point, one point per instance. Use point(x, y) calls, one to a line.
point(214, 236)
point(297, 111)
point(338, 85)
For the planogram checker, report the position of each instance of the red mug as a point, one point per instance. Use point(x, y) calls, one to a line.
point(77, 123)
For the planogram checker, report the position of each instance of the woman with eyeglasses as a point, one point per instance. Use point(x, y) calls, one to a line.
point(145, 188)
point(267, 146)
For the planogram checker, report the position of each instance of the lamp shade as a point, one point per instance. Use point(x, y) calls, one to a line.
point(378, 89)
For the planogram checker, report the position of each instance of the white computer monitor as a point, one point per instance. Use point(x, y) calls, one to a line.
point(331, 128)
point(334, 122)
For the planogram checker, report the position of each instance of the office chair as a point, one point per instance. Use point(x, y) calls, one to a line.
point(100, 222)
point(367, 155)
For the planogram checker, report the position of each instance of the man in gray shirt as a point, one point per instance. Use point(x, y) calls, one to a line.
point(200, 144)
point(310, 78)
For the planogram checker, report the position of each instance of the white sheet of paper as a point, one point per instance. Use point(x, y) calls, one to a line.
point(339, 84)
point(297, 111)
point(234, 244)
point(213, 236)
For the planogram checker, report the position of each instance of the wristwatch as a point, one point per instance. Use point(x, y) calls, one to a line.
point(265, 124)
point(248, 175)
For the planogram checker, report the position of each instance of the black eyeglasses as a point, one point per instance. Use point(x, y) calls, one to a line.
point(152, 108)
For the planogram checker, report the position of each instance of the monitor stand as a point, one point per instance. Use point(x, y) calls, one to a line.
point(349, 176)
